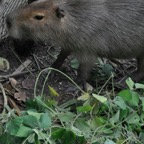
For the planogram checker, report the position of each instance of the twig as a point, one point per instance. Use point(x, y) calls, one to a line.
point(49, 52)
point(5, 77)
point(20, 60)
point(34, 56)
point(22, 66)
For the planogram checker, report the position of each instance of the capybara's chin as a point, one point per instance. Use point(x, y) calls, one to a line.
point(23, 47)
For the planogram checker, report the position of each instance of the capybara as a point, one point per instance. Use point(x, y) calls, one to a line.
point(85, 28)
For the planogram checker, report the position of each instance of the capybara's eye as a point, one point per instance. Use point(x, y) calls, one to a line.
point(38, 17)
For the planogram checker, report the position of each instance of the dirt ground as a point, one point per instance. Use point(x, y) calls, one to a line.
point(20, 86)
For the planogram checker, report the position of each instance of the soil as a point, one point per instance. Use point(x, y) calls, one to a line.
point(41, 57)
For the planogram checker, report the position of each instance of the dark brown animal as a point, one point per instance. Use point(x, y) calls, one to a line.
point(85, 28)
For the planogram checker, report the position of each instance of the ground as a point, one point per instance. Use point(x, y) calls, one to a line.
point(20, 86)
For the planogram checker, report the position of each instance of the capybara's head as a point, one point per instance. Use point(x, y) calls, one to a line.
point(41, 20)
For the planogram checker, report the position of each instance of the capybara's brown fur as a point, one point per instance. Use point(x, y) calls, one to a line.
point(85, 28)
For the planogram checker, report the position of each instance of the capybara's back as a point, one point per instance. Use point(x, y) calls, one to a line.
point(86, 28)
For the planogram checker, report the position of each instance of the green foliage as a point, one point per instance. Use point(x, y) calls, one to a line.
point(74, 63)
point(98, 120)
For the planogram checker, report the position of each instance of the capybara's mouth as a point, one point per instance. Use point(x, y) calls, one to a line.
point(22, 47)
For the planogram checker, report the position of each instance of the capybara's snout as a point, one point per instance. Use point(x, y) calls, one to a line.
point(23, 46)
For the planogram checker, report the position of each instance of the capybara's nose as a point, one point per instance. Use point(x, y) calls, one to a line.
point(8, 22)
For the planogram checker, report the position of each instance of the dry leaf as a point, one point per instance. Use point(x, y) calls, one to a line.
point(13, 82)
point(28, 83)
point(22, 66)
point(4, 64)
point(13, 105)
point(20, 96)
point(8, 87)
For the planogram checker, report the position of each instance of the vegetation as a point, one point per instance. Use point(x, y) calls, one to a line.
point(91, 119)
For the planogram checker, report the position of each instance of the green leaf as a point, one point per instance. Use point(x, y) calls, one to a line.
point(5, 138)
point(42, 104)
point(82, 125)
point(45, 121)
point(75, 64)
point(115, 118)
point(33, 120)
point(51, 102)
point(123, 113)
point(52, 91)
point(13, 125)
point(120, 102)
point(134, 99)
point(133, 119)
point(125, 94)
point(80, 140)
point(16, 128)
point(85, 108)
point(97, 122)
point(66, 117)
point(68, 138)
point(106, 130)
point(41, 134)
point(142, 100)
point(35, 114)
point(130, 96)
point(30, 121)
point(142, 118)
point(109, 142)
point(102, 99)
point(57, 133)
point(30, 138)
point(141, 136)
point(32, 104)
point(84, 97)
point(23, 131)
point(107, 69)
point(139, 86)
point(130, 83)
point(76, 131)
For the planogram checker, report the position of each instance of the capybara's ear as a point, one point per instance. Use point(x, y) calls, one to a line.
point(31, 1)
point(60, 12)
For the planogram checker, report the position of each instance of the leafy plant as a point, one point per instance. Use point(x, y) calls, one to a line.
point(97, 120)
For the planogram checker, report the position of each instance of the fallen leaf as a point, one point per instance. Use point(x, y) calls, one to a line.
point(22, 66)
point(13, 82)
point(13, 105)
point(89, 87)
point(20, 96)
point(28, 83)
point(4, 64)
point(9, 87)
